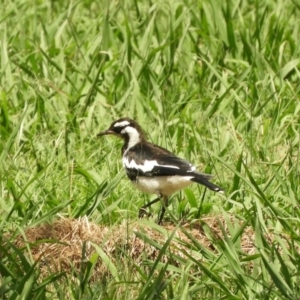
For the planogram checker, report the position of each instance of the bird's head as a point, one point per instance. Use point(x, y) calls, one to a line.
point(127, 129)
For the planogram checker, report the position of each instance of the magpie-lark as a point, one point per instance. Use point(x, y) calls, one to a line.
point(153, 169)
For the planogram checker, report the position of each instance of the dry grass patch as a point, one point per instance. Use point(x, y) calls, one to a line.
point(59, 245)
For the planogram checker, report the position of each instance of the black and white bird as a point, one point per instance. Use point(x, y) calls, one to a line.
point(153, 169)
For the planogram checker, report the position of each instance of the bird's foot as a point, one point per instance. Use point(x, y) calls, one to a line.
point(143, 212)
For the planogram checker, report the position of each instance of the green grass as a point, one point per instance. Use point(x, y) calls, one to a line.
point(217, 82)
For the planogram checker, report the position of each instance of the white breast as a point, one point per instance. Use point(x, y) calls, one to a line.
point(162, 185)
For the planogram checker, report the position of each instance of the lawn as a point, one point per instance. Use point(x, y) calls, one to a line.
point(216, 82)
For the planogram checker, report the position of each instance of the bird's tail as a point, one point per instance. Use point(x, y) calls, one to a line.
point(204, 179)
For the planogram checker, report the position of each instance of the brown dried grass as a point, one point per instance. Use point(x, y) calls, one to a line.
point(58, 246)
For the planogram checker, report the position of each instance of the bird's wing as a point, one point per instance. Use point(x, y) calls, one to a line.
point(151, 160)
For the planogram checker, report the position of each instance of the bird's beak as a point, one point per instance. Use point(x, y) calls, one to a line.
point(105, 132)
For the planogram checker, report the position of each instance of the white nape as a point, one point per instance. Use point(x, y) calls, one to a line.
point(134, 136)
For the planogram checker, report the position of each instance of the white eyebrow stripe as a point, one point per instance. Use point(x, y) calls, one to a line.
point(148, 165)
point(122, 124)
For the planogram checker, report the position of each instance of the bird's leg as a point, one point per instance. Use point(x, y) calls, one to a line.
point(165, 203)
point(142, 210)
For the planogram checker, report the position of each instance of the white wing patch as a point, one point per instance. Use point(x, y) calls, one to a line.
point(148, 165)
point(122, 124)
point(192, 169)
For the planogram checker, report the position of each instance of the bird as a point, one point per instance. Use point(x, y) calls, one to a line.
point(154, 169)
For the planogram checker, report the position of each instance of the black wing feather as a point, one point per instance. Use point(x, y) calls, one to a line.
point(147, 151)
point(169, 164)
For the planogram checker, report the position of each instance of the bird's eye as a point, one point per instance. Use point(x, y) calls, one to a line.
point(118, 129)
